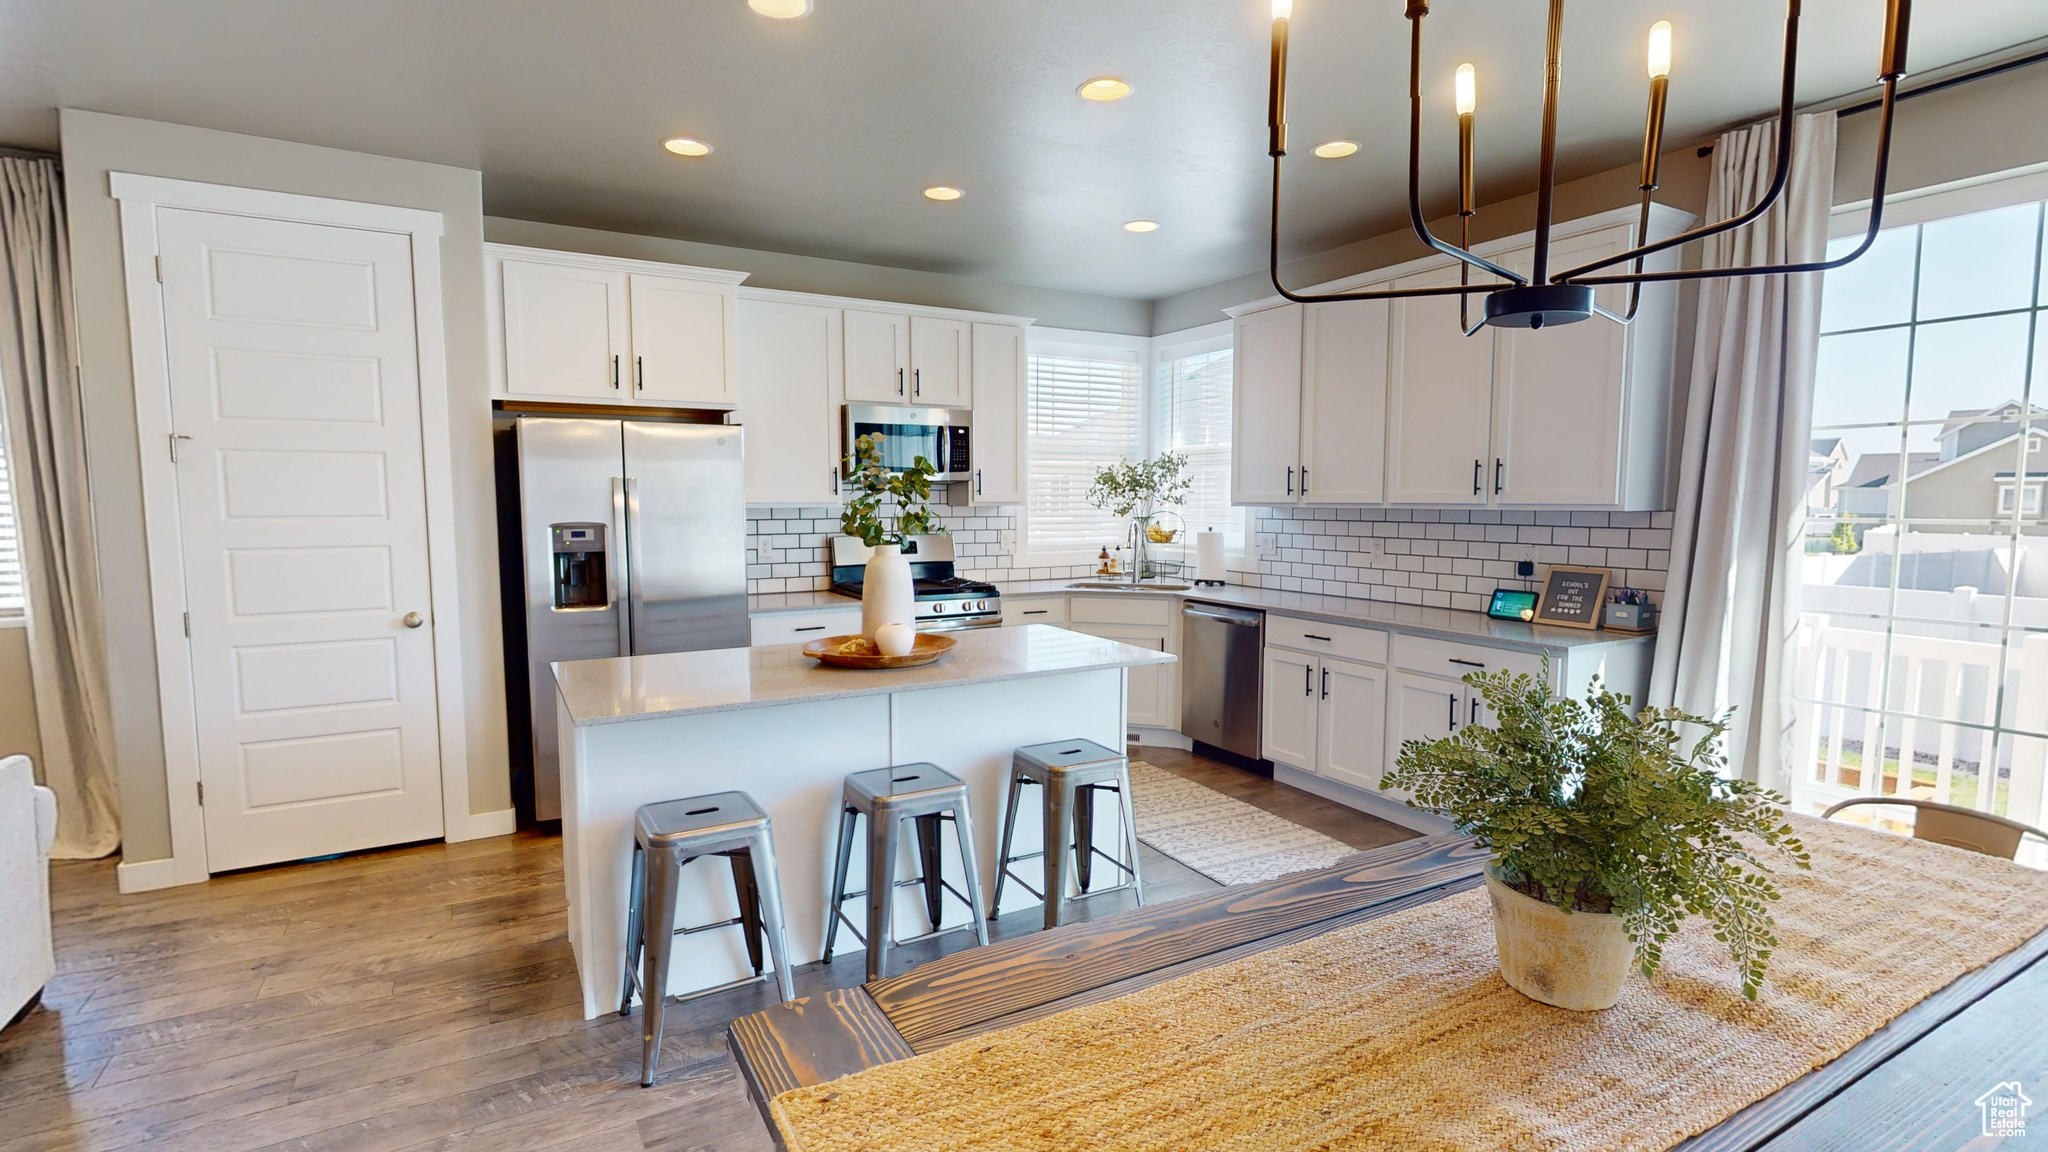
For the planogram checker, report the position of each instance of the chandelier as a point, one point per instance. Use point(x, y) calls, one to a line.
point(1544, 298)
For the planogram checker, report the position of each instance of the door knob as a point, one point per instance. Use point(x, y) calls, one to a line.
point(414, 619)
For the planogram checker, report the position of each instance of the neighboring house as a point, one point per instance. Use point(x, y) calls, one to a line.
point(1827, 470)
point(1974, 475)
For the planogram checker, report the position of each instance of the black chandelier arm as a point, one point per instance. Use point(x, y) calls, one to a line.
point(1780, 175)
point(1635, 290)
point(1415, 14)
point(1879, 176)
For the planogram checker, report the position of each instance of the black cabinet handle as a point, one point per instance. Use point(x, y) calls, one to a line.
point(1477, 467)
point(1313, 636)
point(899, 381)
point(1475, 711)
point(809, 628)
point(1036, 611)
point(1326, 683)
point(1290, 479)
point(835, 481)
point(977, 481)
point(917, 381)
point(615, 370)
point(1308, 679)
point(639, 375)
point(1304, 479)
point(1496, 475)
point(1466, 663)
point(1454, 711)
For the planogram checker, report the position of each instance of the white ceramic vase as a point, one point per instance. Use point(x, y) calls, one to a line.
point(1573, 960)
point(886, 594)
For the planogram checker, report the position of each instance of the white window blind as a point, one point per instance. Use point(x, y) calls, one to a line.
point(1193, 417)
point(10, 541)
point(1082, 414)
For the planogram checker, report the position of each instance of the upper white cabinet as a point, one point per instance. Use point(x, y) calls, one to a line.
point(941, 362)
point(571, 327)
point(1266, 407)
point(1368, 402)
point(877, 357)
point(789, 355)
point(998, 448)
point(1436, 416)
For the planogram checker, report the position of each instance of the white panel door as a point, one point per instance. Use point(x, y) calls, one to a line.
point(1558, 394)
point(682, 352)
point(1344, 402)
point(941, 362)
point(1351, 728)
point(1289, 720)
point(302, 512)
point(998, 447)
point(877, 357)
point(1420, 708)
point(789, 374)
point(1266, 407)
point(565, 330)
point(1441, 385)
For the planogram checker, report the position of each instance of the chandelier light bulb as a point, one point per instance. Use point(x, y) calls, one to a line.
point(1660, 49)
point(1283, 9)
point(1468, 88)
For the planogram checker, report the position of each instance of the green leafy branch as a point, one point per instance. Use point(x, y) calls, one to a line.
point(876, 489)
point(1124, 487)
point(1593, 809)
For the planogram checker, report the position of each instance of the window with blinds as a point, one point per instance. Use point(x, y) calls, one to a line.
point(10, 541)
point(1082, 413)
point(1192, 416)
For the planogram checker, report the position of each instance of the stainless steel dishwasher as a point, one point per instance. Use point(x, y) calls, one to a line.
point(1222, 657)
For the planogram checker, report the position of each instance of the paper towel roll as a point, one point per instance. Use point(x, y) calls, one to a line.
point(1209, 557)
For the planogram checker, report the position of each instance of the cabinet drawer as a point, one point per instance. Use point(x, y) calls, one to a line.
point(1448, 658)
point(1114, 609)
point(1362, 644)
point(1038, 610)
point(804, 627)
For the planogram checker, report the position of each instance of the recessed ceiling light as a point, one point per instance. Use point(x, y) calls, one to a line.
point(1105, 89)
point(1141, 225)
point(684, 146)
point(1336, 149)
point(781, 9)
point(942, 192)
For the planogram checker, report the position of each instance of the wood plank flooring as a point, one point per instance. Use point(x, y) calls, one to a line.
point(417, 998)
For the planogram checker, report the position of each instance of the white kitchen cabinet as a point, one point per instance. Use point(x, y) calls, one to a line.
point(1420, 707)
point(1288, 713)
point(1021, 610)
point(1343, 402)
point(877, 357)
point(941, 362)
point(1266, 407)
point(804, 627)
point(1351, 712)
point(575, 328)
point(1440, 388)
point(789, 361)
point(684, 341)
point(998, 447)
point(1153, 690)
point(565, 329)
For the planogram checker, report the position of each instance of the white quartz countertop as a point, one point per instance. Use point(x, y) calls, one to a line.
point(1449, 623)
point(622, 688)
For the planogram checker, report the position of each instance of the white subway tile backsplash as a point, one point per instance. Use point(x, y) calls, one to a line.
point(788, 549)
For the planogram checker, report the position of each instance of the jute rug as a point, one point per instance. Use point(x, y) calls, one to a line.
point(1400, 1034)
point(1223, 838)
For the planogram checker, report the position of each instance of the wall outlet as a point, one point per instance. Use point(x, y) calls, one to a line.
point(1369, 546)
point(1009, 541)
point(1269, 546)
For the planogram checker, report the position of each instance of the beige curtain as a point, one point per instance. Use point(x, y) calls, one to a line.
point(1731, 610)
point(46, 447)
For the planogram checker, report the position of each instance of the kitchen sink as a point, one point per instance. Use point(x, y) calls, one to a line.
point(1127, 586)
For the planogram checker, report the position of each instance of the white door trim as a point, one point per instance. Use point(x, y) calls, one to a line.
point(140, 197)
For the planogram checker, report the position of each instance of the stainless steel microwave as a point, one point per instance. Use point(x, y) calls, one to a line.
point(941, 435)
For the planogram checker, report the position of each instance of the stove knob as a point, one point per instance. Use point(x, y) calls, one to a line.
point(938, 608)
point(981, 605)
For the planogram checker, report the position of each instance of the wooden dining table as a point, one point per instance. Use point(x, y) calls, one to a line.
point(1910, 1085)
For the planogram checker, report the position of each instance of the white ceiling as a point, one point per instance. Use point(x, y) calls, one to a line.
point(826, 128)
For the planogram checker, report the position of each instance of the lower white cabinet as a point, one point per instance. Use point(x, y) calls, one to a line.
point(1018, 611)
point(1421, 707)
point(804, 627)
point(1289, 712)
point(1153, 691)
point(1352, 709)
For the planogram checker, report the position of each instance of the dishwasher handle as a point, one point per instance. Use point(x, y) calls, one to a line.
point(1241, 619)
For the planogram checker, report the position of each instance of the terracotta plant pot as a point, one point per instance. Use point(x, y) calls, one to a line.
point(887, 594)
point(1573, 960)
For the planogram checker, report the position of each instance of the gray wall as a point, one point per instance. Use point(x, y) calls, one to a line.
point(1976, 129)
point(95, 145)
point(18, 729)
point(1050, 307)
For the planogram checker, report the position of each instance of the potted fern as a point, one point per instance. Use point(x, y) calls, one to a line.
point(1606, 830)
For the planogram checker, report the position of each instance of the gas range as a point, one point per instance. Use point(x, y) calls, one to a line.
point(944, 601)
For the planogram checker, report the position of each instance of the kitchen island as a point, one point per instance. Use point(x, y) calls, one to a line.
point(770, 722)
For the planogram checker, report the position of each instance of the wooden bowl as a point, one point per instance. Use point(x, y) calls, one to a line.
point(856, 652)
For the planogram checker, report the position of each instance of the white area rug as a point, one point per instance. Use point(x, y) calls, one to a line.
point(1225, 839)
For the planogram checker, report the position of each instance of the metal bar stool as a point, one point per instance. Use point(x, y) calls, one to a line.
point(1070, 772)
point(675, 832)
point(931, 796)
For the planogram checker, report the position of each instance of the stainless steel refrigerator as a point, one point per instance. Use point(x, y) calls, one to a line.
point(634, 536)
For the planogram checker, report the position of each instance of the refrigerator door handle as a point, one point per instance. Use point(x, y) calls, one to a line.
point(635, 561)
point(618, 573)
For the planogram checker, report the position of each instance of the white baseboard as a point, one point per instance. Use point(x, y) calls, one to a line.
point(478, 825)
point(1160, 738)
point(146, 875)
point(1372, 804)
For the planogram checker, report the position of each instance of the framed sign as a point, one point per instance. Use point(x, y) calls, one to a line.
point(1572, 597)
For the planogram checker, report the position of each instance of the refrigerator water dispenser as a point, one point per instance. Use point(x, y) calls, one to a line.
point(579, 553)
